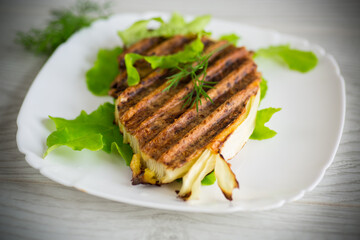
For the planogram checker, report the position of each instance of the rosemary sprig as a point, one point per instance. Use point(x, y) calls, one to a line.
point(63, 24)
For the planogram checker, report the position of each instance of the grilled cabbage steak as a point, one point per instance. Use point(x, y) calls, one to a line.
point(171, 141)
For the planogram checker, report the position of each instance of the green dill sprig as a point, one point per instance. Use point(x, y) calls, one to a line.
point(197, 72)
point(63, 23)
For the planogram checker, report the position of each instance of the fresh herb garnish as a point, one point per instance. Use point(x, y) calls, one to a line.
point(197, 74)
point(176, 25)
point(197, 71)
point(231, 38)
point(302, 61)
point(105, 69)
point(94, 131)
point(63, 24)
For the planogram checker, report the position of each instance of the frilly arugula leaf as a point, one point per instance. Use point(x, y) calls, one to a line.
point(297, 60)
point(231, 38)
point(94, 131)
point(168, 61)
point(263, 88)
point(263, 116)
point(63, 24)
point(209, 179)
point(176, 25)
point(105, 69)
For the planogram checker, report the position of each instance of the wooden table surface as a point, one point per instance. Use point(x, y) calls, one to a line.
point(34, 207)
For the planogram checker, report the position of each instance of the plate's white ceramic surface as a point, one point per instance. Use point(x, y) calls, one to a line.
point(270, 172)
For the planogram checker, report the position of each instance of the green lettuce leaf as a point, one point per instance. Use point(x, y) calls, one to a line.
point(172, 27)
point(231, 38)
point(297, 60)
point(195, 26)
point(137, 31)
point(209, 179)
point(133, 76)
point(105, 69)
point(168, 61)
point(263, 116)
point(94, 131)
point(263, 88)
point(176, 25)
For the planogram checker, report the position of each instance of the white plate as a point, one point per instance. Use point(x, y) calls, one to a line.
point(270, 172)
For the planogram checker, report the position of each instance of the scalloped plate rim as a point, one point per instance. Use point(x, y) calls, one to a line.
point(29, 157)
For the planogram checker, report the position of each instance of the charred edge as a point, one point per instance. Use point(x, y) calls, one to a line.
point(227, 195)
point(221, 155)
point(136, 180)
point(139, 179)
point(185, 197)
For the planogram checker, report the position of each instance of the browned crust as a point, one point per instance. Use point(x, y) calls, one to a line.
point(173, 107)
point(172, 133)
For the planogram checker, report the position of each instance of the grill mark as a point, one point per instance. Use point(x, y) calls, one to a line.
point(172, 133)
point(166, 47)
point(131, 95)
point(149, 104)
point(218, 49)
point(173, 108)
point(204, 132)
point(140, 47)
point(219, 140)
